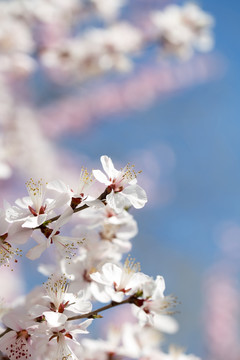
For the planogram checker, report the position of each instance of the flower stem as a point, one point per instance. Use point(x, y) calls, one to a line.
point(94, 314)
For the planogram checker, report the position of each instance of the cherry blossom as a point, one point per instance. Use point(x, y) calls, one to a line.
point(89, 268)
point(181, 29)
point(66, 246)
point(120, 281)
point(35, 209)
point(58, 304)
point(17, 343)
point(154, 306)
point(121, 185)
point(11, 234)
point(64, 340)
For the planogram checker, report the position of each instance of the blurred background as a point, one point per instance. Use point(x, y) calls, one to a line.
point(177, 120)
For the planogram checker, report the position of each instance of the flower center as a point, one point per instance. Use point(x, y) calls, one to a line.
point(36, 191)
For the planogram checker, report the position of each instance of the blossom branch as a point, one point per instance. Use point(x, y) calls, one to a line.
point(94, 314)
point(101, 197)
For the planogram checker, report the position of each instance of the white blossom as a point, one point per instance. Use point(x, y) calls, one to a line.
point(37, 208)
point(120, 281)
point(181, 29)
point(122, 186)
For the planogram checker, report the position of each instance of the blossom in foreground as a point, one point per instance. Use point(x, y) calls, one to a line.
point(65, 245)
point(85, 194)
point(64, 342)
point(11, 234)
point(154, 306)
point(120, 281)
point(17, 343)
point(58, 304)
point(35, 209)
point(122, 187)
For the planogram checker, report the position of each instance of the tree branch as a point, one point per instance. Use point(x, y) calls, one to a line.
point(93, 314)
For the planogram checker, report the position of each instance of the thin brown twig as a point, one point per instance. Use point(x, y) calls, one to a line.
point(93, 314)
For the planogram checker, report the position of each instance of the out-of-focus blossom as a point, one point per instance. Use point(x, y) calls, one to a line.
point(222, 302)
point(183, 29)
point(94, 53)
point(175, 353)
point(109, 9)
point(5, 170)
point(15, 36)
point(137, 92)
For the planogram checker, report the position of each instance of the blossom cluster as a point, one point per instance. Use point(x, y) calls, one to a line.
point(70, 42)
point(180, 30)
point(49, 322)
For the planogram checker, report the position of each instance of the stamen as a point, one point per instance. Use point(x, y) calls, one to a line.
point(85, 176)
point(85, 180)
point(36, 191)
point(56, 286)
point(130, 173)
point(7, 252)
point(130, 266)
point(71, 248)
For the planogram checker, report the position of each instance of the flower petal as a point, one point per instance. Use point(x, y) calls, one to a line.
point(136, 195)
point(108, 166)
point(55, 319)
point(117, 201)
point(101, 177)
point(37, 251)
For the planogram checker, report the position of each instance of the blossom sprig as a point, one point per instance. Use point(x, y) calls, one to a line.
point(50, 321)
point(36, 211)
point(122, 187)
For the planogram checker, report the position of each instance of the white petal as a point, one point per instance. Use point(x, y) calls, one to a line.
point(81, 328)
point(136, 195)
point(58, 186)
point(101, 177)
point(7, 340)
point(11, 321)
point(96, 204)
point(112, 272)
point(37, 310)
point(34, 221)
point(37, 251)
point(117, 201)
point(165, 323)
point(19, 235)
point(62, 199)
point(99, 278)
point(55, 319)
point(62, 220)
point(159, 289)
point(108, 167)
point(80, 306)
